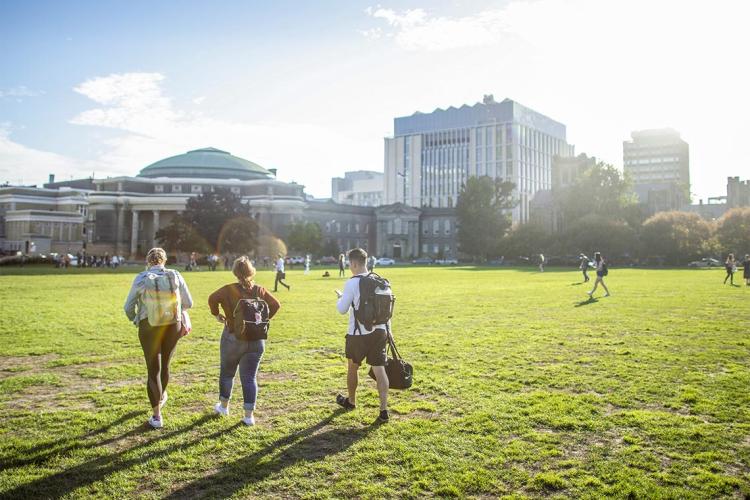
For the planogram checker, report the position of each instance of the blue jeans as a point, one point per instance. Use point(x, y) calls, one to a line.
point(245, 354)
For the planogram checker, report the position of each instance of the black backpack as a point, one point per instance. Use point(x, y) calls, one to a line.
point(399, 372)
point(605, 269)
point(251, 317)
point(376, 301)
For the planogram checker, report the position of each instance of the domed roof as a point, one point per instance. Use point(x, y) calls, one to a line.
point(206, 163)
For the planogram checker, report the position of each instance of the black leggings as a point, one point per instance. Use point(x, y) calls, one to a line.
point(730, 276)
point(158, 343)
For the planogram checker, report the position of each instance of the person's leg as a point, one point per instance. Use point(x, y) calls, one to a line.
point(596, 284)
point(150, 343)
point(727, 277)
point(276, 282)
point(606, 290)
point(249, 364)
point(382, 379)
point(168, 344)
point(282, 282)
point(230, 352)
point(352, 380)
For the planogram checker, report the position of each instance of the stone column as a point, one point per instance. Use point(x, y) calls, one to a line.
point(134, 236)
point(120, 229)
point(155, 228)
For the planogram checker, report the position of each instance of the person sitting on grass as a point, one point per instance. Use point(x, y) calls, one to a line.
point(601, 272)
point(362, 344)
point(155, 305)
point(235, 352)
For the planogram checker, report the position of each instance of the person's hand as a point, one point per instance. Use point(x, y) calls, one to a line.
point(338, 293)
point(220, 318)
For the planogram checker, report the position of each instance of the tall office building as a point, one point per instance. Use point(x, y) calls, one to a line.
point(361, 187)
point(658, 163)
point(430, 156)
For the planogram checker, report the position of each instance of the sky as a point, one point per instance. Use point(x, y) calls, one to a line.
point(311, 88)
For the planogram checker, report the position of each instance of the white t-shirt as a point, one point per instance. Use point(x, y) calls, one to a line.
point(280, 265)
point(350, 296)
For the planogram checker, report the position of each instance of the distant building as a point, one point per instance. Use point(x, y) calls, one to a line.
point(362, 188)
point(738, 192)
point(658, 163)
point(430, 156)
point(738, 195)
point(546, 207)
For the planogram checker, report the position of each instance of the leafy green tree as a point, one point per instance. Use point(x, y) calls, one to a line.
point(524, 240)
point(733, 231)
point(306, 237)
point(179, 236)
point(481, 215)
point(602, 190)
point(677, 236)
point(595, 232)
point(330, 249)
point(238, 236)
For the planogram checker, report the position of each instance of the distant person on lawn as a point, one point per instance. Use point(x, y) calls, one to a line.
point(601, 272)
point(235, 352)
point(362, 344)
point(341, 266)
point(584, 267)
point(541, 262)
point(155, 304)
point(746, 270)
point(731, 266)
point(280, 274)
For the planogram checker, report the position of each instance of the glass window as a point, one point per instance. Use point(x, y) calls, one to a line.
point(195, 189)
point(159, 188)
point(176, 188)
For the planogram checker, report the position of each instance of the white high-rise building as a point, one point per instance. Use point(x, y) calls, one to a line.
point(430, 156)
point(361, 187)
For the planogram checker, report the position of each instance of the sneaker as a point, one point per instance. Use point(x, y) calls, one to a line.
point(606, 295)
point(218, 408)
point(163, 400)
point(589, 293)
point(249, 421)
point(156, 423)
point(344, 402)
point(384, 417)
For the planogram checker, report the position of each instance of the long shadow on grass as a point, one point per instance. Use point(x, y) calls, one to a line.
point(306, 445)
point(63, 446)
point(589, 301)
point(64, 482)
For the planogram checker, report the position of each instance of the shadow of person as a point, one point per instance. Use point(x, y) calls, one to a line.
point(576, 284)
point(590, 300)
point(66, 481)
point(65, 445)
point(307, 445)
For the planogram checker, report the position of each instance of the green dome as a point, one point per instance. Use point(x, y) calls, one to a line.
point(206, 163)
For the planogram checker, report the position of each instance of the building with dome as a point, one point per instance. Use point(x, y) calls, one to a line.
point(121, 215)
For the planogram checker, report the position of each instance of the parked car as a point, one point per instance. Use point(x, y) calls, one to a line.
point(422, 261)
point(706, 262)
point(385, 261)
point(446, 262)
point(297, 260)
point(328, 260)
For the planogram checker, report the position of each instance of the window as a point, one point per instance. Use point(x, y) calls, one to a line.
point(447, 226)
point(159, 188)
point(235, 189)
point(195, 188)
point(435, 226)
point(338, 227)
point(356, 227)
point(176, 188)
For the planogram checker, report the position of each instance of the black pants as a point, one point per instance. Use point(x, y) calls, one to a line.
point(158, 343)
point(730, 276)
point(279, 279)
point(585, 274)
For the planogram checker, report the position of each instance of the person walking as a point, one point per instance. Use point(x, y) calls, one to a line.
point(155, 304)
point(541, 262)
point(584, 267)
point(307, 264)
point(280, 274)
point(731, 266)
point(746, 269)
point(341, 265)
point(362, 344)
point(371, 261)
point(234, 352)
point(601, 272)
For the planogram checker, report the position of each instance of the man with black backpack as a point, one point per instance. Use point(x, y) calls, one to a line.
point(367, 336)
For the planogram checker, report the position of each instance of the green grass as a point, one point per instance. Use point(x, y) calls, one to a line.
point(522, 388)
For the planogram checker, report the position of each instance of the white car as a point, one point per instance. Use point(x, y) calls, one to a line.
point(385, 261)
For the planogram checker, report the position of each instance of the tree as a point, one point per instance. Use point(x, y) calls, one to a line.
point(306, 237)
point(599, 190)
point(733, 231)
point(676, 236)
point(214, 221)
point(594, 232)
point(482, 220)
point(330, 249)
point(524, 240)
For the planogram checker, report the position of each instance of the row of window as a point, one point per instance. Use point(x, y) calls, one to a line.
point(194, 188)
point(336, 227)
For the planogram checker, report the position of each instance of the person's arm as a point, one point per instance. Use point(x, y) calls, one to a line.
point(185, 297)
point(347, 297)
point(273, 304)
point(132, 299)
point(214, 300)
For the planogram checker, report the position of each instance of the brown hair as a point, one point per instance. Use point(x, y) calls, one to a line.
point(358, 255)
point(244, 272)
point(156, 257)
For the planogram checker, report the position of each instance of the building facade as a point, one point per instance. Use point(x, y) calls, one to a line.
point(658, 163)
point(362, 188)
point(430, 156)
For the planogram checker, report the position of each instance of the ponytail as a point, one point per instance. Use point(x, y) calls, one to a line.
point(244, 271)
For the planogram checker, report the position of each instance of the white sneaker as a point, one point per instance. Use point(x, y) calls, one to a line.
point(606, 295)
point(156, 423)
point(589, 293)
point(163, 400)
point(249, 421)
point(218, 408)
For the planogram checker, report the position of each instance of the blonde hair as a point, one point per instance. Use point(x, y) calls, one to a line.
point(244, 272)
point(156, 257)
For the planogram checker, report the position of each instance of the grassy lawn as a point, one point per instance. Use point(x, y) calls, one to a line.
point(522, 387)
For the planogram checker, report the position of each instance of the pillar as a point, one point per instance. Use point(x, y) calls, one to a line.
point(134, 236)
point(120, 229)
point(155, 228)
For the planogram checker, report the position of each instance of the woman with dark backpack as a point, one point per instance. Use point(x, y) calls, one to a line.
point(156, 304)
point(247, 308)
point(601, 272)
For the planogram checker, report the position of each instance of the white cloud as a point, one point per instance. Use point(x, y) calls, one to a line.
point(23, 165)
point(19, 92)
